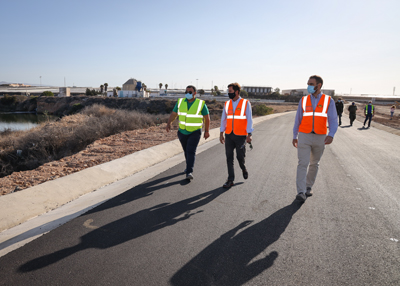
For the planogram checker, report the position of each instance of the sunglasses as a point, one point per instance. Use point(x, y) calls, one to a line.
point(189, 92)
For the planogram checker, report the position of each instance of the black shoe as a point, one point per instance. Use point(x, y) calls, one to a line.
point(228, 184)
point(245, 174)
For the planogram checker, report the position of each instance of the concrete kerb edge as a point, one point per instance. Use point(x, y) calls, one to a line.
point(21, 206)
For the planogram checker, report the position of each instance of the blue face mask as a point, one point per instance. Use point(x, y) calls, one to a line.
point(189, 96)
point(311, 89)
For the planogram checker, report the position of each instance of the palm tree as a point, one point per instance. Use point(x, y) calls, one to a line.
point(166, 86)
point(101, 88)
point(118, 88)
point(160, 85)
point(144, 87)
point(105, 87)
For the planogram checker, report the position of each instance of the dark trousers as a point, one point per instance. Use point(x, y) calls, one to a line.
point(189, 144)
point(233, 142)
point(352, 118)
point(368, 116)
point(340, 118)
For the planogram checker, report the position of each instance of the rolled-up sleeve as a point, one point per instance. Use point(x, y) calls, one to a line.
point(298, 118)
point(249, 117)
point(223, 120)
point(332, 119)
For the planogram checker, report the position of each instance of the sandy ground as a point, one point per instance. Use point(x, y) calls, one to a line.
point(125, 143)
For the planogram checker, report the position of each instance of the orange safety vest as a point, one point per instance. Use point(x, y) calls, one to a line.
point(236, 120)
point(317, 117)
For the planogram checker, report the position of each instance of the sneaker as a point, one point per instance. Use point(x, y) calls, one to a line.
point(309, 192)
point(189, 176)
point(301, 197)
point(245, 174)
point(228, 184)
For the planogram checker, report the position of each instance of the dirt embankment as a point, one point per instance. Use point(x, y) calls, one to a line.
point(107, 149)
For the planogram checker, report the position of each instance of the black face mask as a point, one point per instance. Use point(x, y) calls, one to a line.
point(231, 95)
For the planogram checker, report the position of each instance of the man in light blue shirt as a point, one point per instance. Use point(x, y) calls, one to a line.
point(311, 142)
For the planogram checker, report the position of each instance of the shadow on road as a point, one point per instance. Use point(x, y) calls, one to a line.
point(129, 227)
point(228, 260)
point(140, 191)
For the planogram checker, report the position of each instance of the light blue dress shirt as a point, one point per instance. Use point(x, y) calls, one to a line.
point(249, 116)
point(332, 116)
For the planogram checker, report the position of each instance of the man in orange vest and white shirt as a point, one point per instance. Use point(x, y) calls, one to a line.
point(309, 134)
point(237, 123)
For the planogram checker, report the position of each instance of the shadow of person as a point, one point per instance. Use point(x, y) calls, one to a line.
point(347, 126)
point(140, 191)
point(229, 259)
point(129, 227)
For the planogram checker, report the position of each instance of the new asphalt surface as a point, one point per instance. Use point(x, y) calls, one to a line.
point(167, 231)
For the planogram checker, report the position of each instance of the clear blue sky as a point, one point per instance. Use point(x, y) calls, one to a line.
point(352, 44)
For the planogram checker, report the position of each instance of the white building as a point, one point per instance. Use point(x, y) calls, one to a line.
point(132, 88)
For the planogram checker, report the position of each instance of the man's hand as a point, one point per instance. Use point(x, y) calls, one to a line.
point(328, 140)
point(294, 142)
point(168, 128)
point(206, 134)
point(248, 139)
point(221, 138)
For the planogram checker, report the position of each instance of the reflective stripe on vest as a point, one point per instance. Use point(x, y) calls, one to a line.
point(317, 117)
point(236, 120)
point(190, 120)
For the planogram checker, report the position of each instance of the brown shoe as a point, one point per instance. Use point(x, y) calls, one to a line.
point(228, 184)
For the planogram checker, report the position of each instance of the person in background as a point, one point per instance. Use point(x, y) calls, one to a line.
point(392, 109)
point(339, 109)
point(315, 110)
point(191, 111)
point(369, 113)
point(352, 112)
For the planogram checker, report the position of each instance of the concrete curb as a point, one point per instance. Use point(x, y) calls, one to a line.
point(21, 206)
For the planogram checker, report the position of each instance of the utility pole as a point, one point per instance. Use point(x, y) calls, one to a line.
point(40, 80)
point(197, 83)
point(394, 88)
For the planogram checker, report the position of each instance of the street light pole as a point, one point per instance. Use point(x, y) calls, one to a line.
point(40, 80)
point(197, 83)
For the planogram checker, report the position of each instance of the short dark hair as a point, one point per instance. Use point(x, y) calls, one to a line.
point(235, 86)
point(318, 79)
point(191, 86)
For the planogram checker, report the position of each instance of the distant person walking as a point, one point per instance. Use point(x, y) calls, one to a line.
point(392, 109)
point(191, 112)
point(309, 134)
point(352, 112)
point(237, 123)
point(339, 109)
point(369, 113)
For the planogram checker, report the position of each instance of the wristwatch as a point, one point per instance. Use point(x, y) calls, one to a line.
point(250, 134)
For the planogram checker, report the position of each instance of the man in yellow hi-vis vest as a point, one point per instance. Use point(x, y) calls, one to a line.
point(315, 110)
point(191, 112)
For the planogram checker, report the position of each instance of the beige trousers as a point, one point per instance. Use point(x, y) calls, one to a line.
point(310, 148)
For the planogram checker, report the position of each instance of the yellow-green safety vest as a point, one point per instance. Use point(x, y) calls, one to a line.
point(366, 109)
point(190, 120)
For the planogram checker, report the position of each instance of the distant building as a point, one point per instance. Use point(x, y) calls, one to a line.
point(64, 91)
point(257, 90)
point(132, 88)
point(303, 91)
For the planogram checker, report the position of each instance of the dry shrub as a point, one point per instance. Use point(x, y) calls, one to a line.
point(55, 140)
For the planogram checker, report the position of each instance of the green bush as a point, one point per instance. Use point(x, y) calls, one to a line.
point(47, 93)
point(76, 107)
point(8, 99)
point(262, 109)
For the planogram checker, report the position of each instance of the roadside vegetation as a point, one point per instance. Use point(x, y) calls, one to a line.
point(27, 150)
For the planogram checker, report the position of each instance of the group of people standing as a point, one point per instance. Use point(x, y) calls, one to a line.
point(315, 111)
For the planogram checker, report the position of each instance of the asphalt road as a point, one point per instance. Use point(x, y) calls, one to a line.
point(170, 232)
